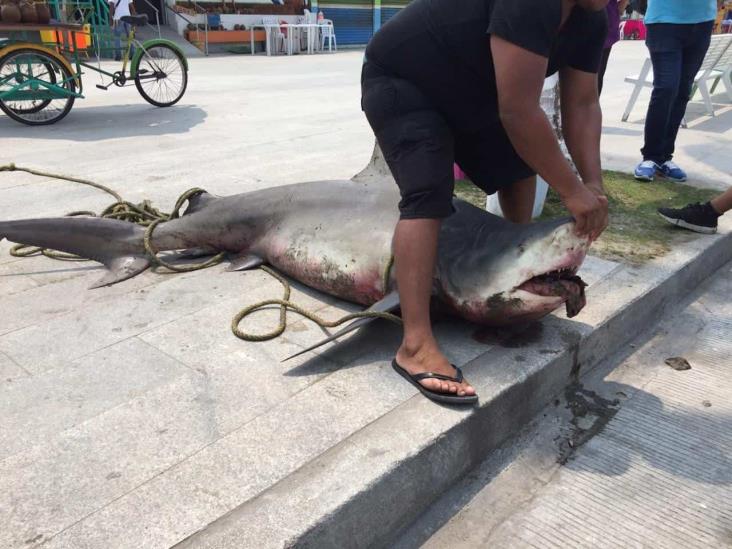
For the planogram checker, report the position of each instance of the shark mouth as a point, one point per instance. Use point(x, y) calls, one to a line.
point(562, 283)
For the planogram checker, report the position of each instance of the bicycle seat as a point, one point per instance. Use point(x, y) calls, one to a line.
point(135, 20)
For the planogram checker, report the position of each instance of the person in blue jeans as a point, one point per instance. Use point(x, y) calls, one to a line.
point(679, 32)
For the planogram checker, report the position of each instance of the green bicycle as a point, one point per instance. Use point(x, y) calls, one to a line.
point(39, 82)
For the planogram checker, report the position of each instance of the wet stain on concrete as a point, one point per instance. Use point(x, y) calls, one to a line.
point(678, 363)
point(590, 414)
point(549, 351)
point(512, 337)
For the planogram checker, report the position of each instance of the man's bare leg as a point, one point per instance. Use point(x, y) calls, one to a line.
point(723, 202)
point(517, 200)
point(415, 252)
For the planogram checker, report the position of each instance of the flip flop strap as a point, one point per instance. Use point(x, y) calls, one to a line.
point(429, 375)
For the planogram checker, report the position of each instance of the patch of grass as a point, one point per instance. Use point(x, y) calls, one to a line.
point(636, 233)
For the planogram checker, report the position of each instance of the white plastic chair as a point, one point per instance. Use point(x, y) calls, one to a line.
point(723, 72)
point(327, 32)
point(709, 70)
point(274, 33)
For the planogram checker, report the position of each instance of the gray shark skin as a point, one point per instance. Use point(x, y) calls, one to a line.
point(335, 236)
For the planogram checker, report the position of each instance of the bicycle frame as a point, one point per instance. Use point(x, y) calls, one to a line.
point(128, 49)
point(126, 59)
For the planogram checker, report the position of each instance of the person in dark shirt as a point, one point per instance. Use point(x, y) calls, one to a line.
point(449, 81)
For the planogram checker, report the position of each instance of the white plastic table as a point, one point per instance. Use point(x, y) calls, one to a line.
point(267, 35)
point(311, 28)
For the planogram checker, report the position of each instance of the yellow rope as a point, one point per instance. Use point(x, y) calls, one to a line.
point(13, 168)
point(147, 215)
point(152, 252)
point(285, 304)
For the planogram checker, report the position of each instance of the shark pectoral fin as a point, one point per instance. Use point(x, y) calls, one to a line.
point(388, 304)
point(244, 262)
point(122, 268)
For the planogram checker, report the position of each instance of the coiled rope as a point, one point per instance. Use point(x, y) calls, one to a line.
point(146, 215)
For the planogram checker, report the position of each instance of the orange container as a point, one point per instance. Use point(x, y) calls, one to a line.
point(68, 40)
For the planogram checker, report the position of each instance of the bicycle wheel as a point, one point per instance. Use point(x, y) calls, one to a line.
point(44, 72)
point(43, 90)
point(161, 75)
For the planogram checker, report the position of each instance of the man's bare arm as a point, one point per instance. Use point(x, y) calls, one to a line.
point(520, 79)
point(582, 123)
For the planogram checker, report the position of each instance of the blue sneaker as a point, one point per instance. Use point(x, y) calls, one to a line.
point(671, 171)
point(646, 170)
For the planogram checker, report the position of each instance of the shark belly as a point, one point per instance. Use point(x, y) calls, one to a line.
point(346, 263)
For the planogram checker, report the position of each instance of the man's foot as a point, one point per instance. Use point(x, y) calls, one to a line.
point(442, 398)
point(430, 359)
point(671, 171)
point(646, 170)
point(701, 218)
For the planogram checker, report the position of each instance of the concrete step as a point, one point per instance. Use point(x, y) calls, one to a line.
point(363, 490)
point(649, 460)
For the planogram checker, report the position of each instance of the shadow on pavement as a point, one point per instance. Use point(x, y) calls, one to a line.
point(112, 122)
point(671, 439)
point(720, 123)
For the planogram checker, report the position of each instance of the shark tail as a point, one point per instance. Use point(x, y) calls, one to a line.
point(118, 245)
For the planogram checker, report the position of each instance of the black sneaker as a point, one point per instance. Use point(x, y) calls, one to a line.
point(701, 218)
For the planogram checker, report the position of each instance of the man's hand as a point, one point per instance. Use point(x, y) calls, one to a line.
point(588, 209)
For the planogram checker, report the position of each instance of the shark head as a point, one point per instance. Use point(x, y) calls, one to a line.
point(494, 272)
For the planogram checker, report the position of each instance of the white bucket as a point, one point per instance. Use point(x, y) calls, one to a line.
point(492, 205)
point(547, 103)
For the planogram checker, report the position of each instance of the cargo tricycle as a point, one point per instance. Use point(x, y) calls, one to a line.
point(41, 68)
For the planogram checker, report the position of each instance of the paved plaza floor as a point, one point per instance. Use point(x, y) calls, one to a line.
point(132, 417)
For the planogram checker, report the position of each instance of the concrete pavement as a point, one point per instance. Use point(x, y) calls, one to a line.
point(656, 473)
point(135, 418)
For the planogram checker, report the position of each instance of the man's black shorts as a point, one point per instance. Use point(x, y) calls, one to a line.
point(420, 147)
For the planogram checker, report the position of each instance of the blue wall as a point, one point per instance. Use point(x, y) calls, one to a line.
point(355, 21)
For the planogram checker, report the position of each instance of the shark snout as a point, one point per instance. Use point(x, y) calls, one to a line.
point(568, 248)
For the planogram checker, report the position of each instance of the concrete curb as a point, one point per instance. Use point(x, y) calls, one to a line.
point(361, 492)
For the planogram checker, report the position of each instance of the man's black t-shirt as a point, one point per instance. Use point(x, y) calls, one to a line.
point(443, 47)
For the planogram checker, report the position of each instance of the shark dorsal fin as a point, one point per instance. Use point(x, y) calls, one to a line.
point(376, 169)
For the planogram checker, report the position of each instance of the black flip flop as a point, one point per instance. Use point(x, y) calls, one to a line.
point(444, 398)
